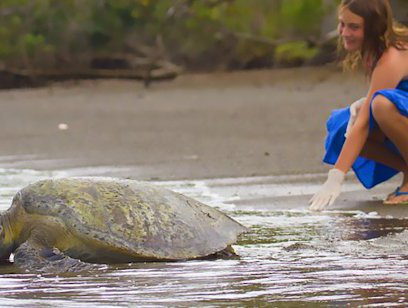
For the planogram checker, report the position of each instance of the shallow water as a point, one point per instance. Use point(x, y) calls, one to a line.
point(290, 256)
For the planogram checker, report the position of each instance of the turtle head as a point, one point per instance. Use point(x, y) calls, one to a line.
point(6, 241)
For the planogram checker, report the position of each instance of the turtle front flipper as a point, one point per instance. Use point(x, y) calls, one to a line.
point(46, 259)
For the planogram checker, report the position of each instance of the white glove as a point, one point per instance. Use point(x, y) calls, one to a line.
point(354, 109)
point(328, 192)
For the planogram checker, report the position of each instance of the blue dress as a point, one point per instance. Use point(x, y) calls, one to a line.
point(369, 172)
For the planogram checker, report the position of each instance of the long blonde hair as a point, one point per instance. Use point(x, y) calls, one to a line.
point(380, 33)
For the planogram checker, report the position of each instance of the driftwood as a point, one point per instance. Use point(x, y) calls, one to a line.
point(145, 63)
point(89, 73)
point(10, 80)
point(114, 69)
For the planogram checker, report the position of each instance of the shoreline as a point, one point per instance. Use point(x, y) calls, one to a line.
point(249, 123)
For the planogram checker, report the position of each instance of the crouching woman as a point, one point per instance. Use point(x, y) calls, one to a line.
point(376, 144)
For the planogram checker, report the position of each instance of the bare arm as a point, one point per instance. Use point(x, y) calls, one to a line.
point(389, 71)
point(386, 75)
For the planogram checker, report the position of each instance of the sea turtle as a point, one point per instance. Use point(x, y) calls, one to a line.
point(65, 224)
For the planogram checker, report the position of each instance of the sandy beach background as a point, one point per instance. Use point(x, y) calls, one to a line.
point(269, 122)
point(248, 143)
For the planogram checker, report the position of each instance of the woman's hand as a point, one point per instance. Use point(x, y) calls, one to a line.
point(354, 109)
point(328, 192)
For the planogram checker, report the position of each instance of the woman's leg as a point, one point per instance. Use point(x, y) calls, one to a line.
point(375, 149)
point(395, 127)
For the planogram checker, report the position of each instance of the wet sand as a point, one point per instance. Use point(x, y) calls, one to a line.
point(199, 126)
point(202, 126)
point(249, 143)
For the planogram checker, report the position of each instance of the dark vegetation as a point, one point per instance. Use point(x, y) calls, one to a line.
point(156, 39)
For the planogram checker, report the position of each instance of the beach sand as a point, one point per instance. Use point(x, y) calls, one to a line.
point(269, 122)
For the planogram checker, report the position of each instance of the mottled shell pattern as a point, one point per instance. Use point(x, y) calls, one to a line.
point(134, 217)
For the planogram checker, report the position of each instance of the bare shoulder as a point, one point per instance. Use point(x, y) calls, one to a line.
point(390, 69)
point(393, 56)
point(394, 60)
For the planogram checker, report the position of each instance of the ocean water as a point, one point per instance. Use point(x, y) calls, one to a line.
point(289, 257)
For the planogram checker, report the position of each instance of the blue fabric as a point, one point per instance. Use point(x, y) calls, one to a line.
point(369, 172)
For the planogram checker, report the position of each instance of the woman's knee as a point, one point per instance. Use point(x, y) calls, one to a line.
point(382, 108)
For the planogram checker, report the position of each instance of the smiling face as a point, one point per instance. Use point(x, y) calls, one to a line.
point(351, 30)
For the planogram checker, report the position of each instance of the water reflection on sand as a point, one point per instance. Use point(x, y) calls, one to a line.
point(351, 254)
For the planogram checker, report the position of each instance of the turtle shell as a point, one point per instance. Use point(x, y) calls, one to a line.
point(132, 218)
